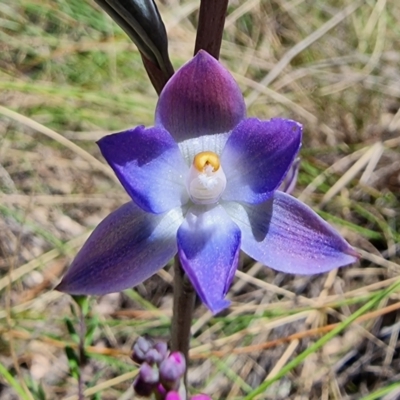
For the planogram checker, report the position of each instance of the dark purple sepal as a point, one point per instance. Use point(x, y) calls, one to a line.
point(201, 98)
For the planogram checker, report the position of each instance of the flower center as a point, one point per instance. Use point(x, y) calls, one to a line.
point(206, 180)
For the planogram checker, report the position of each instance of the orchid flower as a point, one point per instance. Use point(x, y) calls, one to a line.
point(203, 182)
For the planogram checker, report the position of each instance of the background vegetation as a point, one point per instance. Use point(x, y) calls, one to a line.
point(69, 75)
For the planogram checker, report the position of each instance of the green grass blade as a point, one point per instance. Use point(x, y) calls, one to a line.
point(13, 383)
point(321, 342)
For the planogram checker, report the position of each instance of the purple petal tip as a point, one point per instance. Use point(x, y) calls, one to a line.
point(126, 248)
point(59, 287)
point(351, 251)
point(202, 98)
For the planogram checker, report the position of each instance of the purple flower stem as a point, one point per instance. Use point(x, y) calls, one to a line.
point(157, 77)
point(211, 26)
point(184, 298)
point(209, 38)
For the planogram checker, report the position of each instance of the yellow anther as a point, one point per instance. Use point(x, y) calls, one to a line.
point(201, 160)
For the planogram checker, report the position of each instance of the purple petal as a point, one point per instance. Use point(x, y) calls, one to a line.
point(173, 368)
point(146, 381)
point(201, 98)
point(257, 156)
point(149, 374)
point(290, 180)
point(173, 396)
point(149, 165)
point(126, 248)
point(208, 247)
point(288, 236)
point(141, 348)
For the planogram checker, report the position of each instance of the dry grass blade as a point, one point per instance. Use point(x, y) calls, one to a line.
point(365, 159)
point(60, 139)
point(379, 260)
point(333, 66)
point(38, 262)
point(279, 98)
point(106, 385)
point(201, 352)
point(373, 162)
point(339, 165)
point(299, 47)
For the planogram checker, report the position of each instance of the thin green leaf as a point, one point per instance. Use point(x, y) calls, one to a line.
point(73, 362)
point(321, 342)
point(13, 382)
